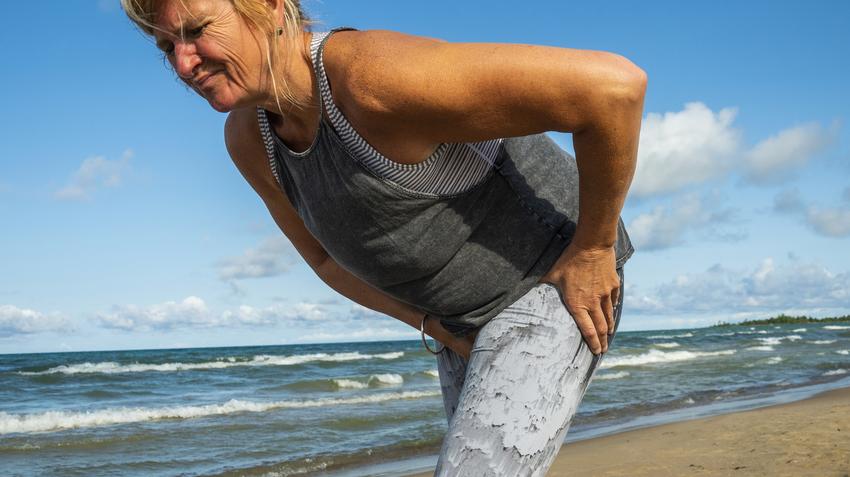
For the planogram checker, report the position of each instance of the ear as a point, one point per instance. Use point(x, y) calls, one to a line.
point(278, 7)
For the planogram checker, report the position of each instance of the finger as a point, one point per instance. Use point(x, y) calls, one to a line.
point(601, 325)
point(588, 331)
point(608, 309)
point(615, 293)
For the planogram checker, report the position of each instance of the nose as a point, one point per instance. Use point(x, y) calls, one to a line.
point(186, 59)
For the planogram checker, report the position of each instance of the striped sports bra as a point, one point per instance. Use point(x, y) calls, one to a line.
point(452, 169)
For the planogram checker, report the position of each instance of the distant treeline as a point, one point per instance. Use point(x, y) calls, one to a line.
point(785, 319)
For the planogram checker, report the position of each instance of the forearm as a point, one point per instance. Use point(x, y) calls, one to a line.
point(606, 154)
point(361, 292)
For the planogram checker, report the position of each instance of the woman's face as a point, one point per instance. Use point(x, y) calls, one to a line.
point(213, 50)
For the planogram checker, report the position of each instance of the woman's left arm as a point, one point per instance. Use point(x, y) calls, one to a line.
point(420, 89)
point(606, 154)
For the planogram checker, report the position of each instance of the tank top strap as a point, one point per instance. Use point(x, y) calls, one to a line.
point(317, 48)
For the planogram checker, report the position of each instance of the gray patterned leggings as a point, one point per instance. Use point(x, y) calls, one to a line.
point(510, 407)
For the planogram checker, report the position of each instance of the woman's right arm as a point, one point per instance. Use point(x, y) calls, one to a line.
point(249, 155)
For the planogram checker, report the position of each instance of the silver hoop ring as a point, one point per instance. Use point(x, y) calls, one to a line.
point(425, 342)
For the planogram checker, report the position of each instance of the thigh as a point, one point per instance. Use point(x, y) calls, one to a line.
point(452, 371)
point(526, 376)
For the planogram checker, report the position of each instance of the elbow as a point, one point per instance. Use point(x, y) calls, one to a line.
point(621, 99)
point(629, 82)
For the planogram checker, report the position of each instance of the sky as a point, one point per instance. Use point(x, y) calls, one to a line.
point(126, 225)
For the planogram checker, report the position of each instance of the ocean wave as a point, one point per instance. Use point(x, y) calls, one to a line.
point(799, 330)
point(52, 421)
point(350, 384)
point(110, 367)
point(835, 372)
point(617, 375)
point(823, 341)
point(433, 373)
point(745, 332)
point(760, 348)
point(655, 356)
point(774, 360)
point(379, 379)
point(845, 352)
point(672, 344)
point(775, 340)
point(664, 337)
point(836, 327)
point(394, 379)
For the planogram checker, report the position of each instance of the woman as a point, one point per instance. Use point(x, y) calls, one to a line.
point(413, 176)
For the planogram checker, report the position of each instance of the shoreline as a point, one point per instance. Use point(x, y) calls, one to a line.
point(806, 436)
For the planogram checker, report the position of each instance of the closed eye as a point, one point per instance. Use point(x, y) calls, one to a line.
point(198, 31)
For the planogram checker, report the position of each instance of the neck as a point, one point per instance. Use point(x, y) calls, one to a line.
point(301, 82)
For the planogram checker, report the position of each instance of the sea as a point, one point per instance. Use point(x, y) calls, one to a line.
point(359, 409)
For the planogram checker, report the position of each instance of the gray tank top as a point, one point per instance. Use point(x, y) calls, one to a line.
point(461, 254)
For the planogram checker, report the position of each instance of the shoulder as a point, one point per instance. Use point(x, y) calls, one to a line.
point(242, 133)
point(373, 71)
point(245, 145)
point(464, 92)
point(363, 61)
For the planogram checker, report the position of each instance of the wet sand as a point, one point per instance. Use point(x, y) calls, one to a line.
point(804, 438)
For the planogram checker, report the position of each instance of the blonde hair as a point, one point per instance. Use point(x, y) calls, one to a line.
point(258, 14)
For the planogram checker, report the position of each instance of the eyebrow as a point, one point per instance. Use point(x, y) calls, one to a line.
point(188, 24)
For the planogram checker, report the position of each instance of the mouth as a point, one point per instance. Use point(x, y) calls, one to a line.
point(204, 80)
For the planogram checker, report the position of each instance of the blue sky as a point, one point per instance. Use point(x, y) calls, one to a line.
point(125, 225)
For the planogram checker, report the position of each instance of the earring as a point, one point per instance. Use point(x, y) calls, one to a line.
point(279, 31)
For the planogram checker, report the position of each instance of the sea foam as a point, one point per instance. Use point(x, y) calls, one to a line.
point(375, 379)
point(617, 375)
point(775, 340)
point(655, 356)
point(664, 337)
point(672, 344)
point(109, 367)
point(393, 379)
point(350, 384)
point(836, 327)
point(58, 420)
point(760, 348)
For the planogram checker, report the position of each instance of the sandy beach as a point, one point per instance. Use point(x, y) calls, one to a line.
point(804, 438)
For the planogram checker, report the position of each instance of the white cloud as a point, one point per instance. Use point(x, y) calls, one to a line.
point(193, 312)
point(19, 321)
point(683, 148)
point(826, 221)
point(273, 257)
point(276, 314)
point(831, 221)
point(693, 146)
point(788, 201)
point(766, 288)
point(93, 173)
point(666, 227)
point(772, 159)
